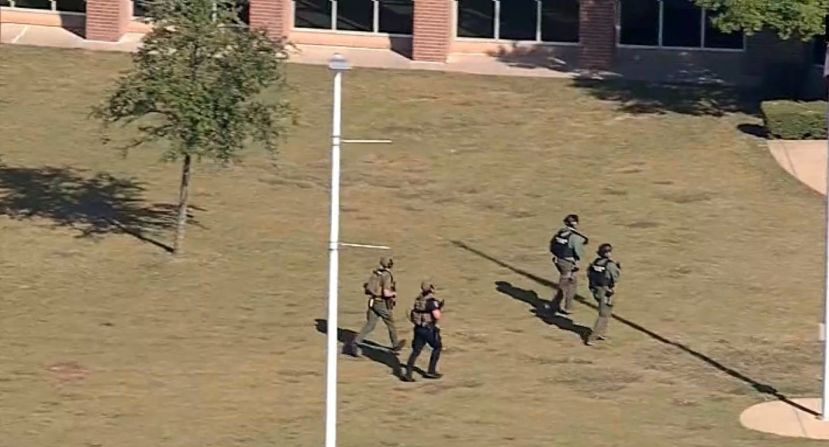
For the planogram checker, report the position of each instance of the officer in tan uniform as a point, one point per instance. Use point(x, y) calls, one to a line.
point(382, 291)
point(603, 274)
point(425, 315)
point(567, 248)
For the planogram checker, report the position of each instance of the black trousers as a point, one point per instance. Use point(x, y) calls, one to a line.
point(425, 335)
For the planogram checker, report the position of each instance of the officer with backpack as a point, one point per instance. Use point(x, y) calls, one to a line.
point(382, 293)
point(603, 274)
point(425, 315)
point(567, 248)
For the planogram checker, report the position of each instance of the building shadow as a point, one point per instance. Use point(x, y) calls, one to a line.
point(370, 349)
point(93, 206)
point(760, 387)
point(74, 22)
point(560, 59)
point(401, 45)
point(545, 311)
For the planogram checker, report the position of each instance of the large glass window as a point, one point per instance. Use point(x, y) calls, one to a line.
point(33, 4)
point(819, 51)
point(518, 20)
point(313, 14)
point(672, 24)
point(476, 18)
point(640, 22)
point(681, 24)
point(372, 16)
point(560, 20)
point(527, 20)
point(396, 16)
point(714, 38)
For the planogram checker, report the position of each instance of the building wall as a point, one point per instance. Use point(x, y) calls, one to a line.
point(434, 39)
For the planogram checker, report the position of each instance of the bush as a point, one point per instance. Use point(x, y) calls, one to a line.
point(791, 120)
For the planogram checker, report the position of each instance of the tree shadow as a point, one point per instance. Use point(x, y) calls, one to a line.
point(754, 130)
point(760, 387)
point(545, 311)
point(640, 97)
point(370, 349)
point(91, 205)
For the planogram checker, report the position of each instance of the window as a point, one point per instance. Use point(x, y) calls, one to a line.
point(138, 9)
point(819, 51)
point(527, 20)
point(372, 16)
point(560, 20)
point(476, 18)
point(681, 24)
point(51, 5)
point(672, 24)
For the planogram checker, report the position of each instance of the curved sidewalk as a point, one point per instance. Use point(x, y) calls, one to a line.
point(805, 160)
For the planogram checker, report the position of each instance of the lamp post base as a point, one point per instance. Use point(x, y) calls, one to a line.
point(797, 418)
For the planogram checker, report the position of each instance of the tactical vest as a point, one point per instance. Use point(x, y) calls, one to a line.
point(560, 244)
point(421, 315)
point(597, 274)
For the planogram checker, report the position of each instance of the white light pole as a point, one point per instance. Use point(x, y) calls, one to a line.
point(824, 410)
point(338, 65)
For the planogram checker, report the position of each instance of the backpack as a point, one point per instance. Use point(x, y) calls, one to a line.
point(374, 285)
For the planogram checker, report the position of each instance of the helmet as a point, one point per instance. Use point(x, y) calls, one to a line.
point(386, 263)
point(426, 286)
point(571, 219)
point(604, 249)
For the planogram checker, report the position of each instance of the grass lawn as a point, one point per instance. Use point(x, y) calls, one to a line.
point(106, 342)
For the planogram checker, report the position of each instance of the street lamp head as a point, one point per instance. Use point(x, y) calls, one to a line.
point(338, 63)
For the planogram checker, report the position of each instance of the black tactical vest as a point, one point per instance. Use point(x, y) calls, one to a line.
point(597, 274)
point(560, 244)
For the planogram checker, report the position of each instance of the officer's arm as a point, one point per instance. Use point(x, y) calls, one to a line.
point(615, 271)
point(435, 309)
point(577, 244)
point(386, 286)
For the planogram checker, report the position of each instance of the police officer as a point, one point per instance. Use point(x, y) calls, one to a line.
point(567, 248)
point(425, 315)
point(380, 307)
point(603, 274)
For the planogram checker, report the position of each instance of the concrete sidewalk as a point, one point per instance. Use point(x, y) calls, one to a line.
point(805, 160)
point(47, 36)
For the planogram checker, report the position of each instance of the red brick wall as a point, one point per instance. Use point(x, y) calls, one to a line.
point(597, 30)
point(272, 15)
point(106, 20)
point(432, 30)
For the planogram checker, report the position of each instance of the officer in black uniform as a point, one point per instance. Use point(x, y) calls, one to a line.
point(425, 315)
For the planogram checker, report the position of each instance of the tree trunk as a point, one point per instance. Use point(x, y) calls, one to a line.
point(182, 205)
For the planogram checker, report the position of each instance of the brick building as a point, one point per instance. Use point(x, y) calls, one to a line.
point(672, 37)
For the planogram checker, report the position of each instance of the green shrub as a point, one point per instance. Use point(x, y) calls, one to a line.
point(791, 120)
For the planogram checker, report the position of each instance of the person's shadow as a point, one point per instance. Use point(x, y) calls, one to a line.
point(543, 310)
point(370, 349)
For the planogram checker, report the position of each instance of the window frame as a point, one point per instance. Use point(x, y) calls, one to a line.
point(52, 10)
point(333, 28)
point(496, 24)
point(660, 35)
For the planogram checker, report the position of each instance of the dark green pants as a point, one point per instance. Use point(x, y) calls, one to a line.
point(381, 310)
point(567, 284)
point(605, 303)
